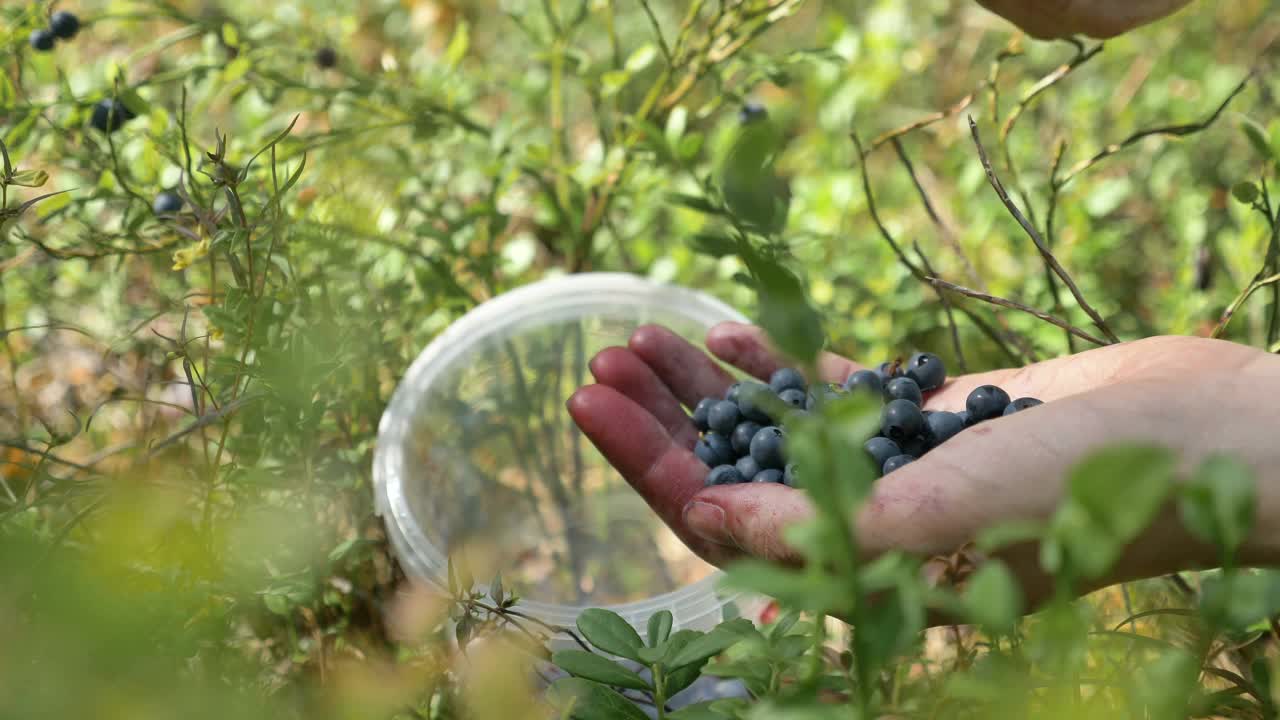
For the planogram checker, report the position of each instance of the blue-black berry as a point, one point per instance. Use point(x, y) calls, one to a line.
point(64, 24)
point(865, 381)
point(741, 437)
point(795, 398)
point(767, 448)
point(772, 475)
point(714, 450)
point(42, 40)
point(986, 402)
point(901, 420)
point(1021, 404)
point(750, 403)
point(888, 371)
point(927, 370)
point(786, 379)
point(167, 203)
point(723, 475)
point(700, 414)
point(326, 57)
point(723, 417)
point(903, 388)
point(747, 466)
point(964, 417)
point(731, 393)
point(942, 426)
point(894, 463)
point(110, 115)
point(881, 449)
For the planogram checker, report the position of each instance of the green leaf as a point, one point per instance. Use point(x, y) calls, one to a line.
point(785, 312)
point(697, 711)
point(1257, 138)
point(610, 633)
point(800, 589)
point(641, 58)
point(679, 679)
point(458, 44)
point(585, 700)
point(701, 649)
point(694, 202)
point(598, 668)
point(230, 36)
point(715, 244)
point(659, 628)
point(29, 178)
point(992, 598)
point(1245, 192)
point(1218, 504)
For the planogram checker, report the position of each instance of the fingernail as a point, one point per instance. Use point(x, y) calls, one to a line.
point(707, 521)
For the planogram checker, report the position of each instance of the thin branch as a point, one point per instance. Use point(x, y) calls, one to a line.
point(1082, 56)
point(1034, 234)
point(947, 234)
point(1169, 130)
point(924, 122)
point(946, 306)
point(202, 421)
point(1014, 305)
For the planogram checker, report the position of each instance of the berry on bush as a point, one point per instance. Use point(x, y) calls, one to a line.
point(767, 448)
point(110, 115)
point(927, 370)
point(894, 463)
point(326, 57)
point(901, 420)
point(167, 203)
point(741, 437)
point(1021, 404)
point(772, 475)
point(723, 475)
point(723, 417)
point(42, 40)
point(64, 24)
point(986, 402)
point(786, 379)
point(903, 388)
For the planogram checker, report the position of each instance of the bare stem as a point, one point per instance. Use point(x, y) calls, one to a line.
point(1014, 305)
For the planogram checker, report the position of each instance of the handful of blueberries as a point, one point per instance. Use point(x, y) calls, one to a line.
point(743, 439)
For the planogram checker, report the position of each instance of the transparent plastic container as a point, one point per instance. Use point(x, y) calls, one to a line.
point(477, 450)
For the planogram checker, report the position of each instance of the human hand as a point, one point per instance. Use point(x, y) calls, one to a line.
point(1194, 395)
point(1050, 19)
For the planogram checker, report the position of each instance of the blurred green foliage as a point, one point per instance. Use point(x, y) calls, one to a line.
point(189, 401)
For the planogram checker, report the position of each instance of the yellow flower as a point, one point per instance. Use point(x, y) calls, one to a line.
point(185, 257)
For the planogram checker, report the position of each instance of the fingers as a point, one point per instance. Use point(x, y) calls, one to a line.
point(625, 372)
point(665, 474)
point(749, 517)
point(747, 347)
point(689, 373)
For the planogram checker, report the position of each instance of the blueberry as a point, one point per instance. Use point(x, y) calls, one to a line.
point(894, 463)
point(865, 381)
point(731, 394)
point(819, 394)
point(723, 475)
point(741, 437)
point(767, 448)
point(326, 57)
point(901, 420)
point(964, 417)
point(714, 450)
point(789, 475)
point(927, 370)
point(795, 398)
point(772, 475)
point(942, 426)
point(917, 446)
point(786, 379)
point(881, 449)
point(723, 417)
point(888, 371)
point(986, 402)
point(747, 466)
point(64, 24)
point(110, 115)
point(1021, 404)
point(903, 388)
point(42, 40)
point(751, 112)
point(750, 403)
point(167, 203)
point(700, 412)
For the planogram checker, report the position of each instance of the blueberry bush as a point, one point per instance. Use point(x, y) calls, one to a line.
point(227, 228)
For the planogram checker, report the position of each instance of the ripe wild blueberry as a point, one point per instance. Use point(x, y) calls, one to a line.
point(903, 388)
point(741, 437)
point(64, 24)
point(42, 40)
point(881, 449)
point(865, 381)
point(986, 402)
point(786, 379)
point(714, 450)
point(167, 203)
point(767, 448)
point(723, 475)
point(110, 115)
point(942, 426)
point(747, 466)
point(326, 57)
point(927, 370)
point(723, 417)
point(888, 371)
point(700, 414)
point(894, 463)
point(901, 420)
point(731, 394)
point(1021, 404)
point(772, 475)
point(749, 403)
